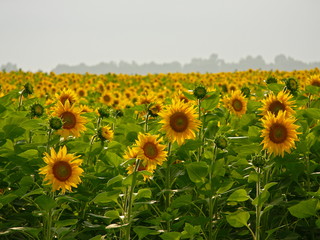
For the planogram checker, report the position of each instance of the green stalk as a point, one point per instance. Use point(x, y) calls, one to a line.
point(20, 100)
point(168, 185)
point(48, 221)
point(308, 172)
point(49, 136)
point(200, 131)
point(258, 207)
point(146, 123)
point(130, 200)
point(211, 202)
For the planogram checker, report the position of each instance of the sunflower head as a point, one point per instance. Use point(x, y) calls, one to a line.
point(236, 103)
point(292, 84)
point(280, 102)
point(200, 92)
point(179, 122)
point(67, 95)
point(314, 80)
point(279, 133)
point(258, 161)
point(62, 170)
point(36, 110)
point(104, 112)
point(27, 89)
point(105, 133)
point(55, 123)
point(221, 142)
point(150, 150)
point(271, 79)
point(246, 91)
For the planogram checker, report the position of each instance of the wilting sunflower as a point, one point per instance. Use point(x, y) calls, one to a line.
point(279, 133)
point(237, 103)
point(73, 122)
point(180, 122)
point(67, 94)
point(150, 150)
point(62, 170)
point(281, 102)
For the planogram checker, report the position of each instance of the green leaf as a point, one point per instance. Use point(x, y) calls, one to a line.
point(112, 214)
point(98, 237)
point(30, 231)
point(211, 102)
point(144, 231)
point(115, 179)
point(218, 168)
point(144, 193)
point(262, 198)
point(197, 171)
point(189, 231)
point(13, 131)
point(106, 197)
point(113, 159)
point(238, 219)
point(34, 192)
point(304, 209)
point(171, 236)
point(64, 223)
point(183, 200)
point(45, 202)
point(31, 153)
point(269, 185)
point(225, 187)
point(239, 195)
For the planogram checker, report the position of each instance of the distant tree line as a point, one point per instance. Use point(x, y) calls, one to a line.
point(211, 65)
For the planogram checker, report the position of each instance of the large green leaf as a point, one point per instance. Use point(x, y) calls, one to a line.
point(238, 219)
point(304, 209)
point(197, 171)
point(239, 195)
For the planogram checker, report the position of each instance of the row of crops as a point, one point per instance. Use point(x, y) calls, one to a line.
point(161, 156)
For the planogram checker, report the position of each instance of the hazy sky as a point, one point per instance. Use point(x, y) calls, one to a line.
point(39, 34)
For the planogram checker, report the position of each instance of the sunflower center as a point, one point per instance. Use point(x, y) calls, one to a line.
point(276, 106)
point(106, 98)
point(237, 105)
point(69, 120)
point(315, 83)
point(150, 150)
point(62, 170)
point(179, 122)
point(81, 93)
point(278, 133)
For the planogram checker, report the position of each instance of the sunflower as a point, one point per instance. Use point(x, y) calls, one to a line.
point(237, 103)
point(73, 122)
point(67, 94)
point(150, 150)
point(314, 80)
point(62, 170)
point(279, 133)
point(281, 102)
point(106, 98)
point(105, 133)
point(180, 122)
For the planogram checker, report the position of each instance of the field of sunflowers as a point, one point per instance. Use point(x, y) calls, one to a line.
point(162, 156)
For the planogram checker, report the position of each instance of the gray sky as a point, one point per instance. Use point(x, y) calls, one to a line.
point(39, 34)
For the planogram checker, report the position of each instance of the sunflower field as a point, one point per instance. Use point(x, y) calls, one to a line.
point(161, 156)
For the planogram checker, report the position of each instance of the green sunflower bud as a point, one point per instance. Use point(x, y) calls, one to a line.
point(221, 142)
point(103, 112)
point(55, 123)
point(245, 91)
point(258, 161)
point(36, 110)
point(292, 84)
point(28, 89)
point(200, 92)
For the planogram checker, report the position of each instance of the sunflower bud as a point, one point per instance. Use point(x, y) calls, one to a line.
point(258, 161)
point(245, 91)
point(221, 142)
point(200, 92)
point(28, 89)
point(36, 110)
point(103, 112)
point(55, 123)
point(291, 84)
point(271, 79)
point(118, 113)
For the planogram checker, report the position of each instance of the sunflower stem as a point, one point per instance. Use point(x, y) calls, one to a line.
point(308, 172)
point(20, 100)
point(130, 198)
point(212, 202)
point(49, 136)
point(48, 221)
point(90, 150)
point(258, 207)
point(168, 185)
point(146, 123)
point(200, 131)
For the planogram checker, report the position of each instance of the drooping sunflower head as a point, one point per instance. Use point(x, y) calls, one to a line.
point(62, 170)
point(73, 122)
point(67, 94)
point(279, 133)
point(180, 122)
point(105, 133)
point(236, 103)
point(275, 103)
point(150, 150)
